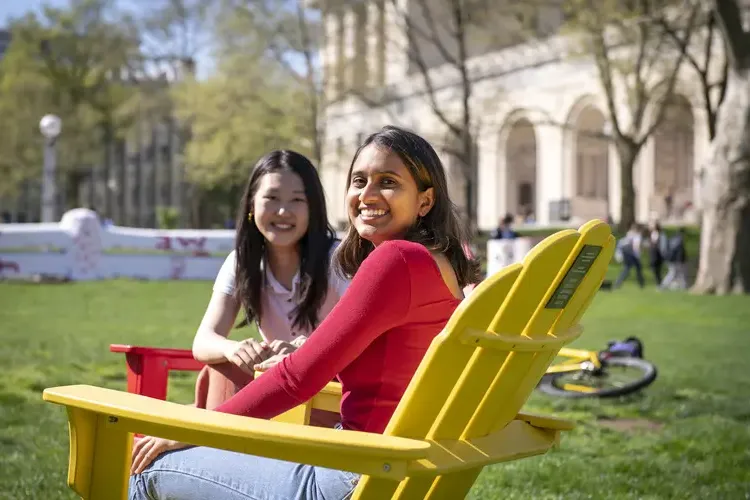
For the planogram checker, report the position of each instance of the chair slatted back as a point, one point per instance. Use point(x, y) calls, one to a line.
point(482, 367)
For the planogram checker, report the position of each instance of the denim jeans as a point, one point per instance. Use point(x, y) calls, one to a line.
point(207, 473)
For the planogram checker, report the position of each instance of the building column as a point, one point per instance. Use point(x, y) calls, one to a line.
point(349, 48)
point(488, 182)
point(358, 65)
point(332, 53)
point(397, 43)
point(549, 169)
point(375, 56)
point(334, 180)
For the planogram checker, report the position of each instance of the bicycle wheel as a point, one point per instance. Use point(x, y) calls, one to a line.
point(617, 376)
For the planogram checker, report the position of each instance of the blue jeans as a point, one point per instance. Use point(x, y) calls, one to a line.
point(208, 473)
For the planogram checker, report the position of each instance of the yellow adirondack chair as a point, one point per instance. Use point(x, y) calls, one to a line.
point(460, 412)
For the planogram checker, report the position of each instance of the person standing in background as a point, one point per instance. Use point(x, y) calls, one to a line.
point(504, 229)
point(658, 245)
point(676, 263)
point(629, 247)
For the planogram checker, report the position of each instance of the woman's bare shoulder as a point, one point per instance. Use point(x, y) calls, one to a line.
point(448, 273)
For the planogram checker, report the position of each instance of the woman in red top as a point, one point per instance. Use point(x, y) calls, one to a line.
point(404, 244)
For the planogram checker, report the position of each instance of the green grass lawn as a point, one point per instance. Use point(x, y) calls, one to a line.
point(691, 437)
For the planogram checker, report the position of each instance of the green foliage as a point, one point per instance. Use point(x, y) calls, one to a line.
point(61, 62)
point(236, 116)
point(253, 103)
point(167, 217)
point(97, 68)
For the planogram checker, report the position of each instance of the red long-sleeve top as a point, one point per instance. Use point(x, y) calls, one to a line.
point(373, 340)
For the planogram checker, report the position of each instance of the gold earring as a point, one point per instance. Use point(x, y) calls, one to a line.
point(249, 216)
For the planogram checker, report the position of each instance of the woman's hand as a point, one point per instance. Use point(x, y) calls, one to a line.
point(299, 341)
point(148, 448)
point(248, 353)
point(267, 364)
point(280, 349)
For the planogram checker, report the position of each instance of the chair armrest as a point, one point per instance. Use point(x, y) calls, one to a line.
point(328, 399)
point(518, 439)
point(148, 367)
point(121, 413)
point(152, 351)
point(546, 422)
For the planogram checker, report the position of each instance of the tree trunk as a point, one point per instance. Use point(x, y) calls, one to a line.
point(725, 235)
point(627, 151)
point(470, 204)
point(73, 185)
point(469, 164)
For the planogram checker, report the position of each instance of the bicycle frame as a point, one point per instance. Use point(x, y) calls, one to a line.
point(574, 358)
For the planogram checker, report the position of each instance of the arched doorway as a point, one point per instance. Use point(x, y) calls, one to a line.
point(591, 160)
point(674, 160)
point(520, 162)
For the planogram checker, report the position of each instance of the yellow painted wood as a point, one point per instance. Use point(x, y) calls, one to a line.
point(524, 313)
point(546, 421)
point(374, 488)
point(460, 413)
point(516, 440)
point(355, 451)
point(112, 447)
point(82, 434)
point(299, 415)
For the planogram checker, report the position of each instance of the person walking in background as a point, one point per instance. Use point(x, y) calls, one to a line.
point(504, 229)
point(629, 249)
point(676, 262)
point(658, 245)
point(669, 203)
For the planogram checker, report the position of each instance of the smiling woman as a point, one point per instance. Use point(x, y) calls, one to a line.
point(381, 204)
point(397, 189)
point(280, 210)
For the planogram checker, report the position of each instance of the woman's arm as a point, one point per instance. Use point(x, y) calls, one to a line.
point(378, 299)
point(211, 343)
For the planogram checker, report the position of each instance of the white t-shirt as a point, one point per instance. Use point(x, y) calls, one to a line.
point(278, 303)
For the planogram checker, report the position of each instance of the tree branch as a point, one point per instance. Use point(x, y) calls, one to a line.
point(466, 88)
point(641, 97)
point(671, 82)
point(434, 36)
point(604, 64)
point(417, 57)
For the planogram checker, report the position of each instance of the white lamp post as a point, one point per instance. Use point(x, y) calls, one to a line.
point(50, 126)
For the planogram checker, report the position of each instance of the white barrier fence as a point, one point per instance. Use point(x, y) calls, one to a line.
point(79, 248)
point(502, 253)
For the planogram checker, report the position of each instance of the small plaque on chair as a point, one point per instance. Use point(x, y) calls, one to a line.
point(573, 277)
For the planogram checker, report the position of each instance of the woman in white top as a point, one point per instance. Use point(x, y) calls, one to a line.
point(280, 275)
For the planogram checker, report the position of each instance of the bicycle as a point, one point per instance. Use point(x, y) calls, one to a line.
point(616, 371)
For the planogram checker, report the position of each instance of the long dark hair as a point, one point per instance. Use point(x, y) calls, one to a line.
point(439, 230)
point(315, 245)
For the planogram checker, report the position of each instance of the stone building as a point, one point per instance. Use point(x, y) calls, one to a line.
point(541, 118)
